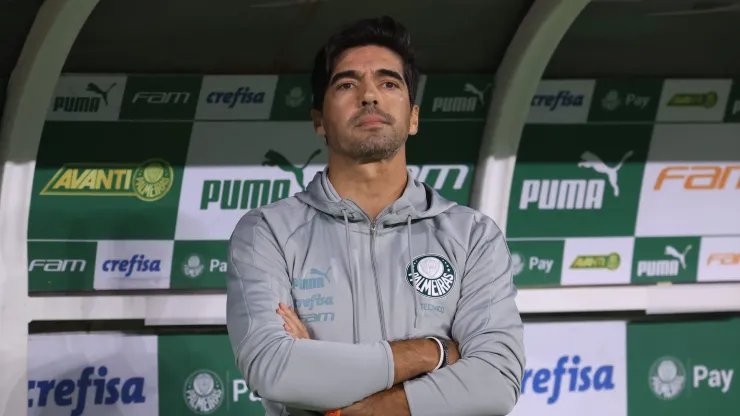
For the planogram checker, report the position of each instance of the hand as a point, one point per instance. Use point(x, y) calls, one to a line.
point(293, 324)
point(391, 402)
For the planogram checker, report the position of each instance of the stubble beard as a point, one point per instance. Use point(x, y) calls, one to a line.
point(373, 148)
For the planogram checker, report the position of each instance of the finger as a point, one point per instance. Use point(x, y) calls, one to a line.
point(283, 315)
point(290, 331)
point(285, 311)
point(292, 317)
point(288, 311)
point(299, 328)
point(288, 315)
point(303, 331)
point(289, 324)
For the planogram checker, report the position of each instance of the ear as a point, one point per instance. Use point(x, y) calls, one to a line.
point(318, 123)
point(414, 121)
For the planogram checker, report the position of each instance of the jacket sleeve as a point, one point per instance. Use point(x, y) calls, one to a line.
point(307, 374)
point(488, 328)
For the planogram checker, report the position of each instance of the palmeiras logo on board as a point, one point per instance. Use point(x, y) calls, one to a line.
point(667, 378)
point(193, 266)
point(432, 275)
point(204, 392)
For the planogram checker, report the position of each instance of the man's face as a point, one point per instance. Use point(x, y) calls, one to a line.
point(367, 115)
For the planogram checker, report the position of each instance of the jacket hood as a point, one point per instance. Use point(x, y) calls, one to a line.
point(418, 201)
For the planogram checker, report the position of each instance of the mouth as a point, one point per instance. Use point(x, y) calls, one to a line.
point(371, 121)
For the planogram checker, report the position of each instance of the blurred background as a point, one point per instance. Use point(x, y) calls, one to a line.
point(602, 136)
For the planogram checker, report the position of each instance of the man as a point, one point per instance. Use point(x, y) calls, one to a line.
point(388, 279)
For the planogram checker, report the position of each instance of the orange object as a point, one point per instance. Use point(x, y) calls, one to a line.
point(333, 412)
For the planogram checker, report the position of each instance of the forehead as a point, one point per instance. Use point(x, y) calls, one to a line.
point(368, 58)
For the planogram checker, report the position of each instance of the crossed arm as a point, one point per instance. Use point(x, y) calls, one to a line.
point(411, 358)
point(301, 373)
point(487, 327)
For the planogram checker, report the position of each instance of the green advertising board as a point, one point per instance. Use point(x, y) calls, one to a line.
point(633, 180)
point(151, 173)
point(611, 368)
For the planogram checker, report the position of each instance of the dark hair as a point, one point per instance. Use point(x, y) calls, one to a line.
point(381, 31)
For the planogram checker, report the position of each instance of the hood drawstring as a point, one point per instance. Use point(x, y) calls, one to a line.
point(417, 304)
point(352, 281)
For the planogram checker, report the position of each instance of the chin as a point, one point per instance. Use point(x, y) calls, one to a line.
point(376, 154)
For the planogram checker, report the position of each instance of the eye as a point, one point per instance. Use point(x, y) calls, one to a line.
point(344, 86)
point(390, 84)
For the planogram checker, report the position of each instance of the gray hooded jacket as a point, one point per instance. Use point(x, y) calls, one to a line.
point(425, 267)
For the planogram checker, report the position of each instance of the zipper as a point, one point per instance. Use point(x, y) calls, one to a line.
point(379, 296)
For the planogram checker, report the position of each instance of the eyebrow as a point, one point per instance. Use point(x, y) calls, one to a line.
point(390, 73)
point(356, 75)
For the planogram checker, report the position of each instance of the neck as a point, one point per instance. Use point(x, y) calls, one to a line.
point(372, 186)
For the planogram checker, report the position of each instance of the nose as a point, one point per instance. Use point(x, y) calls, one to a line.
point(369, 94)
